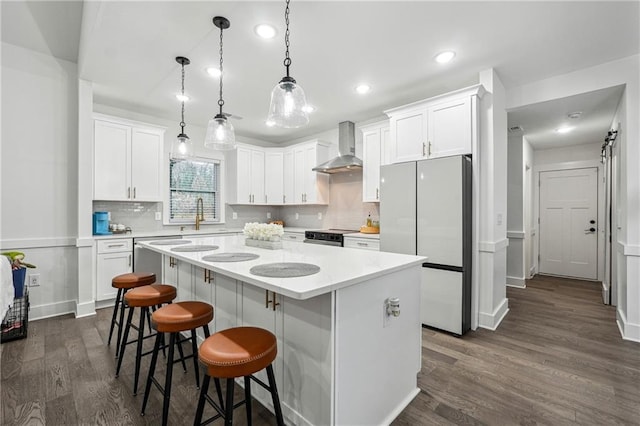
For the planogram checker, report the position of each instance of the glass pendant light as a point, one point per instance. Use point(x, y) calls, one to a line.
point(288, 101)
point(182, 147)
point(220, 134)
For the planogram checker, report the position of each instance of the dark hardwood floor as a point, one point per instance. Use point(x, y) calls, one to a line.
point(557, 358)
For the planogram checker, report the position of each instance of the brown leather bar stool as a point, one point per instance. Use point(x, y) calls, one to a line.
point(174, 319)
point(123, 283)
point(145, 297)
point(238, 352)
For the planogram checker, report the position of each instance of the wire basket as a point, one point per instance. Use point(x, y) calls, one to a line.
point(15, 323)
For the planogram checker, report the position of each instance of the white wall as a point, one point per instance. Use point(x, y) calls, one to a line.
point(624, 71)
point(40, 173)
point(567, 154)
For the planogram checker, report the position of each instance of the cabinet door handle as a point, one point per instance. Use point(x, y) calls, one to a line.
point(265, 198)
point(134, 192)
point(377, 194)
point(208, 276)
point(429, 149)
point(274, 301)
point(284, 199)
point(424, 149)
point(129, 260)
point(266, 299)
point(129, 192)
point(172, 261)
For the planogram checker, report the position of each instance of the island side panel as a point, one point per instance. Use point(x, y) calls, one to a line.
point(376, 361)
point(307, 351)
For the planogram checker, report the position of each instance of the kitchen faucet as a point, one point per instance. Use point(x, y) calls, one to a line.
point(199, 212)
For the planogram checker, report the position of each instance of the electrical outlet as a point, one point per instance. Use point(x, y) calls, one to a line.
point(235, 215)
point(158, 215)
point(268, 215)
point(319, 215)
point(297, 216)
point(499, 219)
point(34, 280)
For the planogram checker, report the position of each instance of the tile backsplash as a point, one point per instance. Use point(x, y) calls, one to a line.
point(345, 210)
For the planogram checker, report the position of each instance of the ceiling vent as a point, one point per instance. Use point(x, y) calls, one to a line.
point(515, 129)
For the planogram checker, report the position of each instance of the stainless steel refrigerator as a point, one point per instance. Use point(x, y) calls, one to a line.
point(425, 209)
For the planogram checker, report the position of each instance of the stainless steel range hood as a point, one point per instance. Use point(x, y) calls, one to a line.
point(346, 161)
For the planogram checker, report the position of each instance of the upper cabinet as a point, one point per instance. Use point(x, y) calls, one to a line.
point(127, 160)
point(246, 167)
point(437, 127)
point(309, 187)
point(375, 153)
point(275, 176)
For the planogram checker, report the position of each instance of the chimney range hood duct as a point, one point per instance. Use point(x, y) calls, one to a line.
point(346, 161)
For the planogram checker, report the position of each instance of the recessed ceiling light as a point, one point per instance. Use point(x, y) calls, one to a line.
point(270, 123)
point(181, 97)
point(565, 129)
point(265, 31)
point(308, 108)
point(363, 88)
point(213, 72)
point(444, 57)
point(574, 115)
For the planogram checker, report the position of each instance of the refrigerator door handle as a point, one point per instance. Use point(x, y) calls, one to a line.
point(443, 267)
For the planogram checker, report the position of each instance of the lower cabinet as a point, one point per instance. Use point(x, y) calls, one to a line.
point(114, 257)
point(297, 237)
point(362, 243)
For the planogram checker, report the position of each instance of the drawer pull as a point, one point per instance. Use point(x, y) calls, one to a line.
point(363, 244)
point(116, 245)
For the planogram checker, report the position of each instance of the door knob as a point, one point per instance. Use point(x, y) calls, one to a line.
point(590, 230)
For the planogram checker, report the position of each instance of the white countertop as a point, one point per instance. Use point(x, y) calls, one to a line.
point(362, 235)
point(339, 267)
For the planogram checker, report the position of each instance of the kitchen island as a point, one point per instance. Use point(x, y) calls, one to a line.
point(342, 360)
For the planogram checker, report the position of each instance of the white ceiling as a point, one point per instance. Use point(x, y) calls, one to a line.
point(128, 48)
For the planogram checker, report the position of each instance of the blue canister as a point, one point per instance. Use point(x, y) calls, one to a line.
point(101, 223)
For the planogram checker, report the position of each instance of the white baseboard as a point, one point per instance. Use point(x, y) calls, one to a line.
point(516, 282)
point(85, 309)
point(52, 310)
point(628, 331)
point(493, 320)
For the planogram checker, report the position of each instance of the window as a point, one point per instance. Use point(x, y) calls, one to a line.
point(189, 180)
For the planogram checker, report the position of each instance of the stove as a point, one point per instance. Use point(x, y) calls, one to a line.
point(330, 237)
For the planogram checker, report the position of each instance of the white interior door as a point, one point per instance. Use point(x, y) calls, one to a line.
point(569, 223)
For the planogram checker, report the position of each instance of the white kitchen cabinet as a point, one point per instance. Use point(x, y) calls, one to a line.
point(127, 160)
point(296, 237)
point(310, 187)
point(375, 152)
point(362, 243)
point(170, 271)
point(114, 257)
point(289, 176)
point(441, 126)
point(245, 166)
point(274, 177)
point(203, 280)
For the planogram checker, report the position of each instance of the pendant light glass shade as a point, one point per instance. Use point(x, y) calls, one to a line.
point(182, 147)
point(287, 105)
point(220, 134)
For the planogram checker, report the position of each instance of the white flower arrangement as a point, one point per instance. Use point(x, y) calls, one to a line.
point(263, 231)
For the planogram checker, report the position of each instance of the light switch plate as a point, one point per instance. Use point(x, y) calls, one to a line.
point(158, 215)
point(319, 215)
point(268, 215)
point(297, 216)
point(235, 215)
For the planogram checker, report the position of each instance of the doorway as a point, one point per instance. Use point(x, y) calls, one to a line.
point(568, 235)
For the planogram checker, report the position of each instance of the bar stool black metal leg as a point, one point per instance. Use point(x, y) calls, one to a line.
point(274, 396)
point(114, 316)
point(143, 311)
point(219, 392)
point(124, 342)
point(122, 307)
point(201, 400)
point(167, 380)
point(228, 415)
point(247, 398)
point(179, 343)
point(152, 369)
point(194, 348)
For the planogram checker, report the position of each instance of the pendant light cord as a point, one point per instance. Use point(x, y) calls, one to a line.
point(221, 101)
point(182, 124)
point(287, 59)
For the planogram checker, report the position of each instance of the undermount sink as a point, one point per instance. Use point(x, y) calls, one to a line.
point(285, 269)
point(195, 248)
point(169, 242)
